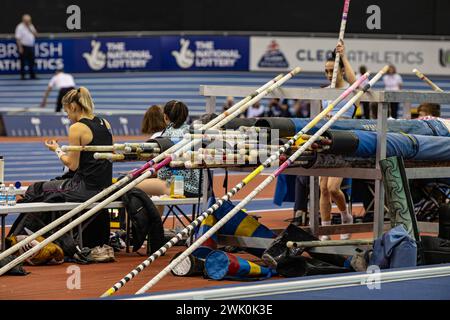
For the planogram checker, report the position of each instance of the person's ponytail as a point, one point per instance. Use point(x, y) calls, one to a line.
point(82, 97)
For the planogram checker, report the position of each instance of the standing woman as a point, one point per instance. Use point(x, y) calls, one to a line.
point(393, 82)
point(330, 187)
point(91, 176)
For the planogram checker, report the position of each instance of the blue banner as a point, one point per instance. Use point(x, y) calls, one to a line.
point(115, 54)
point(49, 55)
point(205, 53)
point(132, 54)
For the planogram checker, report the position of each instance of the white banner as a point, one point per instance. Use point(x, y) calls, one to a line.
point(285, 53)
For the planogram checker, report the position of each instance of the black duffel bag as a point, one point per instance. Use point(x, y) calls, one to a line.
point(436, 250)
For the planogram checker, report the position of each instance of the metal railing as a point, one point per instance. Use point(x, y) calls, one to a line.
point(383, 98)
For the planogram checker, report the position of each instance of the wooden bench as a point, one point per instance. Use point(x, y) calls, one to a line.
point(173, 204)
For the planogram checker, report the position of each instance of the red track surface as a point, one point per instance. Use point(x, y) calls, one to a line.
point(49, 282)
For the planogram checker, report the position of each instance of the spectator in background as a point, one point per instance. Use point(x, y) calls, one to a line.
point(393, 82)
point(63, 82)
point(365, 104)
point(429, 110)
point(274, 108)
point(153, 122)
point(228, 103)
point(25, 38)
point(285, 112)
point(255, 111)
point(302, 109)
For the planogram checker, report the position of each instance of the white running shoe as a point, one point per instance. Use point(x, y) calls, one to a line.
point(347, 220)
point(346, 236)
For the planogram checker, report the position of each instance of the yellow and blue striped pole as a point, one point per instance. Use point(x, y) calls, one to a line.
point(264, 184)
point(186, 231)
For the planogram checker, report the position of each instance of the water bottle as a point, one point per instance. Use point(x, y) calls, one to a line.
point(2, 195)
point(11, 195)
point(178, 186)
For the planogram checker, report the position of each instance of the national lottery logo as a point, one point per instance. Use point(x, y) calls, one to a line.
point(117, 56)
point(205, 54)
point(185, 57)
point(444, 57)
point(95, 59)
point(273, 57)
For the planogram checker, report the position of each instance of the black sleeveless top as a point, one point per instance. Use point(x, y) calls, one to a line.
point(96, 174)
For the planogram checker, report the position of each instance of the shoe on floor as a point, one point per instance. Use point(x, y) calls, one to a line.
point(347, 220)
point(104, 253)
point(346, 236)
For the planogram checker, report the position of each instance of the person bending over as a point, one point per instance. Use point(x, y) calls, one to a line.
point(175, 115)
point(63, 82)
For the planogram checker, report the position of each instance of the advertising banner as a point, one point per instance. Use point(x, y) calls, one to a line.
point(49, 55)
point(205, 53)
point(284, 53)
point(86, 55)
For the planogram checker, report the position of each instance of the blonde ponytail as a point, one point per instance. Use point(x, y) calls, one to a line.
point(82, 97)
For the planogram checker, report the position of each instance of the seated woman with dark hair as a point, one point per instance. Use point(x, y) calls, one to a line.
point(175, 115)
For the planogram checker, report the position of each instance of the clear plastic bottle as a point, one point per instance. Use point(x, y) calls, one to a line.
point(2, 195)
point(11, 195)
point(178, 186)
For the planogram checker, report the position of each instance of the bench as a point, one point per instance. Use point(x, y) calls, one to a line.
point(173, 204)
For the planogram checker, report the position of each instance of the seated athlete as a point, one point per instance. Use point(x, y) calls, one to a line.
point(175, 115)
point(90, 175)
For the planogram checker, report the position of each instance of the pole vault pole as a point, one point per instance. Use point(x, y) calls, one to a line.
point(341, 38)
point(133, 174)
point(186, 231)
point(428, 81)
point(141, 175)
point(258, 189)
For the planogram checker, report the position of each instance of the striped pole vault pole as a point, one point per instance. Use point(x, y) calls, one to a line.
point(186, 231)
point(260, 92)
point(141, 174)
point(264, 184)
point(341, 38)
point(423, 77)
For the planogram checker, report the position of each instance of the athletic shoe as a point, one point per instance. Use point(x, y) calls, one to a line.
point(349, 220)
point(104, 253)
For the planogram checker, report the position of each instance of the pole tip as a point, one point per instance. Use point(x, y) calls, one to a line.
point(415, 70)
point(385, 69)
point(64, 148)
point(296, 70)
point(290, 244)
point(107, 293)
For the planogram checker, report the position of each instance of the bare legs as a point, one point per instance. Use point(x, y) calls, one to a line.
point(330, 190)
point(155, 187)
